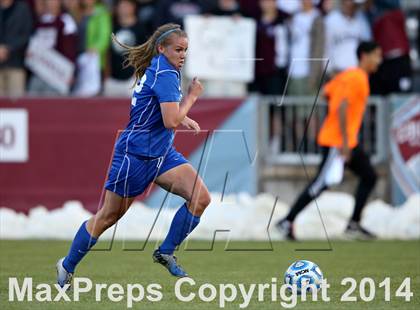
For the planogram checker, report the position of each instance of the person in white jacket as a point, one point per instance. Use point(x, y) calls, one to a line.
point(345, 29)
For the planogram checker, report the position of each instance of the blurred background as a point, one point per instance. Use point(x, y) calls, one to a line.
point(64, 94)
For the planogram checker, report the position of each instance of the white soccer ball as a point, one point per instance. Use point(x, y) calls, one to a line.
point(304, 274)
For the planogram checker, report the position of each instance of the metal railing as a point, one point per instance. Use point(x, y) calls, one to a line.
point(289, 127)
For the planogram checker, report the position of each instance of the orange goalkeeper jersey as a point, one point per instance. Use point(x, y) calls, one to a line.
point(351, 85)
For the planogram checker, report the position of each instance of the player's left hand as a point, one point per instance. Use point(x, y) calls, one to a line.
point(191, 124)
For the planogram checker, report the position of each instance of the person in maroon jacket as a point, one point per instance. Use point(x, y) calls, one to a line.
point(389, 30)
point(272, 60)
point(57, 30)
point(271, 50)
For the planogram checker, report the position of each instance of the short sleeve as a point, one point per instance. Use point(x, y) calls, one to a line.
point(167, 87)
point(339, 91)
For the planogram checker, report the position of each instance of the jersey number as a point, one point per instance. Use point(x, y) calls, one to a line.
point(138, 89)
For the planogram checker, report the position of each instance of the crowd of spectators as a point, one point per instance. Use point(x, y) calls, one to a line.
point(294, 39)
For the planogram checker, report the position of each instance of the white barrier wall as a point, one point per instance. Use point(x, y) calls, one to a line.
point(245, 216)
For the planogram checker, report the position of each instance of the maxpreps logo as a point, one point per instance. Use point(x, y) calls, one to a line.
point(43, 292)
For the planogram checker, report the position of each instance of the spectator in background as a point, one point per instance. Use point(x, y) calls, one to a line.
point(289, 6)
point(94, 39)
point(35, 7)
point(15, 29)
point(128, 31)
point(271, 50)
point(307, 49)
point(345, 29)
point(146, 14)
point(418, 32)
point(73, 7)
point(95, 29)
point(56, 30)
point(388, 24)
point(272, 60)
point(326, 6)
point(226, 8)
point(250, 8)
point(174, 11)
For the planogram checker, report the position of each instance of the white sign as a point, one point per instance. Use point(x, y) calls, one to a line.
point(50, 66)
point(88, 82)
point(13, 135)
point(221, 48)
point(405, 145)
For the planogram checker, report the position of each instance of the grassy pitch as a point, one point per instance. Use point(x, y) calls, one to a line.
point(248, 263)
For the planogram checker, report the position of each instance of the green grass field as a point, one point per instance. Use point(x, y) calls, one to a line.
point(378, 260)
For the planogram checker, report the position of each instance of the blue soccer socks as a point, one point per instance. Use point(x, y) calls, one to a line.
point(182, 224)
point(82, 243)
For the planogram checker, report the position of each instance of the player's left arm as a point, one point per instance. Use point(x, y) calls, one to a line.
point(174, 113)
point(191, 124)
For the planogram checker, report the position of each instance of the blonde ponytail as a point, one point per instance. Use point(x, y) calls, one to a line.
point(139, 57)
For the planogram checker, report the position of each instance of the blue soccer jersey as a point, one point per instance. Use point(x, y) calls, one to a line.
point(145, 134)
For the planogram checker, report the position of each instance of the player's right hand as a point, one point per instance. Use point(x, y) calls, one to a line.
point(195, 89)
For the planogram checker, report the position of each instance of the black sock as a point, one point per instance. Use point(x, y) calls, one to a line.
point(362, 193)
point(303, 200)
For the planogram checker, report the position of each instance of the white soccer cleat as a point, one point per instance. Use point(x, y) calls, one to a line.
point(63, 276)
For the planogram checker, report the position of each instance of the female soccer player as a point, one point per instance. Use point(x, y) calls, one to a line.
point(144, 152)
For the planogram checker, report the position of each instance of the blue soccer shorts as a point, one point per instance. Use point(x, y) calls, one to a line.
point(130, 175)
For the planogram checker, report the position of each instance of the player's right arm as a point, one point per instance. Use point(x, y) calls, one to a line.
point(173, 113)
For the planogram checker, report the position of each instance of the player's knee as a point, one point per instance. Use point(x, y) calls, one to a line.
point(109, 218)
point(201, 203)
point(204, 200)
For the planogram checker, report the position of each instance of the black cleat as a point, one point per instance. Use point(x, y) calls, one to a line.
point(170, 263)
point(285, 227)
point(355, 231)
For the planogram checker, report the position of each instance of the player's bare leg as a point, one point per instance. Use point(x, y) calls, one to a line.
point(184, 181)
point(113, 209)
